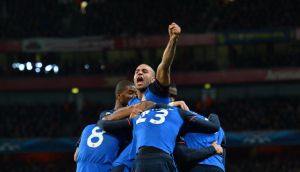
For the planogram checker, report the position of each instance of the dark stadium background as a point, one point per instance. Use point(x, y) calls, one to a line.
point(60, 59)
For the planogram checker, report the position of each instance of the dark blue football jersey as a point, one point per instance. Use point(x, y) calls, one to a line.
point(97, 150)
point(157, 128)
point(125, 158)
point(202, 140)
point(155, 93)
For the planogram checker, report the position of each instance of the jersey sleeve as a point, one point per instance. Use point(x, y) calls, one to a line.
point(158, 89)
point(189, 155)
point(196, 124)
point(115, 127)
point(105, 113)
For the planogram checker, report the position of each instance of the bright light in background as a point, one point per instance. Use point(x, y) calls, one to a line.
point(83, 6)
point(15, 65)
point(207, 86)
point(86, 66)
point(21, 67)
point(38, 64)
point(55, 69)
point(29, 66)
point(37, 70)
point(75, 90)
point(102, 67)
point(48, 68)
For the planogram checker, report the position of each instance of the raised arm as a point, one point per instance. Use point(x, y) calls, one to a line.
point(163, 69)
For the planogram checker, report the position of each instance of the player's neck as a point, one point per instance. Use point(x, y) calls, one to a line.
point(140, 94)
point(118, 105)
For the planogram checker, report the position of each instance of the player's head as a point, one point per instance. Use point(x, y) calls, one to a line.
point(173, 91)
point(143, 76)
point(125, 90)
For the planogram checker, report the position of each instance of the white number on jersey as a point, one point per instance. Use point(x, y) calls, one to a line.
point(161, 114)
point(95, 134)
point(141, 117)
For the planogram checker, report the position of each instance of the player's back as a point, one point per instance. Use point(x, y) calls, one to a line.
point(157, 128)
point(202, 140)
point(97, 150)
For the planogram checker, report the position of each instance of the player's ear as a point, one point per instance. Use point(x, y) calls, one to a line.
point(118, 95)
point(152, 79)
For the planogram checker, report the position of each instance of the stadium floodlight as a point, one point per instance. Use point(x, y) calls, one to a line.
point(48, 68)
point(55, 69)
point(15, 65)
point(75, 90)
point(38, 64)
point(37, 70)
point(86, 66)
point(29, 66)
point(83, 6)
point(207, 86)
point(21, 67)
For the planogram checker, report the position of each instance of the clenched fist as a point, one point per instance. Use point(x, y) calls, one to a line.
point(174, 30)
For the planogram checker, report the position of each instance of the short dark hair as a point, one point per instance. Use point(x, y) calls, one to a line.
point(121, 86)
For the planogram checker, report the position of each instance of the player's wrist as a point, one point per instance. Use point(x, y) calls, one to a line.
point(174, 37)
point(213, 149)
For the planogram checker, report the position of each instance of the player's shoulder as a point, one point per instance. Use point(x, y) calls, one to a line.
point(198, 115)
point(221, 130)
point(193, 113)
point(88, 127)
point(157, 89)
point(174, 108)
point(105, 113)
point(134, 101)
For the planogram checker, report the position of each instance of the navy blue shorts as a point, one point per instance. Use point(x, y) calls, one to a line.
point(154, 161)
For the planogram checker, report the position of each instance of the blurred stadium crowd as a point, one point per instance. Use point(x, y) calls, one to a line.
point(266, 163)
point(125, 66)
point(236, 115)
point(132, 18)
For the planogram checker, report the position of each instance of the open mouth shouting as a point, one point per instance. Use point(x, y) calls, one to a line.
point(140, 80)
